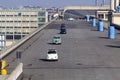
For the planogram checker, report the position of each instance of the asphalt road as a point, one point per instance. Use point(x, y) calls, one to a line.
point(85, 54)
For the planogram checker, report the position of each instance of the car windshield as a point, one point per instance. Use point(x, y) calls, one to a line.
point(63, 24)
point(56, 37)
point(62, 27)
point(51, 52)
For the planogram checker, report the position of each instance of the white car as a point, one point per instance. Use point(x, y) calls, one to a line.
point(71, 19)
point(52, 55)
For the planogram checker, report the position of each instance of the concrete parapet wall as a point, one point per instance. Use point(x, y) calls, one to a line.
point(3, 77)
point(15, 74)
point(116, 18)
point(116, 26)
point(11, 48)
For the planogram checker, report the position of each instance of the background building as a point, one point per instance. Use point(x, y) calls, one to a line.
point(18, 22)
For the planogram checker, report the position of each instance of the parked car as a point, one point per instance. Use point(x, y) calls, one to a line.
point(56, 39)
point(52, 55)
point(71, 19)
point(63, 29)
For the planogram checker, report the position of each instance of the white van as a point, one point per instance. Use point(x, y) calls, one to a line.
point(52, 55)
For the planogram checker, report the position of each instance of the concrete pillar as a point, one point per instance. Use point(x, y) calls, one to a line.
point(116, 4)
point(46, 17)
point(104, 16)
point(118, 9)
point(112, 4)
point(94, 22)
point(87, 18)
point(111, 32)
point(100, 26)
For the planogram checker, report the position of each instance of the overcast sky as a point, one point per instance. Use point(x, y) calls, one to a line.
point(49, 3)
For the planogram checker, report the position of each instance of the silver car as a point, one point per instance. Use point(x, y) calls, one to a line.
point(57, 39)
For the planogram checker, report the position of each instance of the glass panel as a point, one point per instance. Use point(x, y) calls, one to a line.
point(41, 19)
point(19, 14)
point(101, 16)
point(41, 14)
point(40, 25)
point(9, 37)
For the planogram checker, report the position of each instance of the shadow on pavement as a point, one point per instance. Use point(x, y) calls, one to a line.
point(118, 33)
point(113, 46)
point(104, 37)
point(47, 60)
point(51, 43)
point(94, 30)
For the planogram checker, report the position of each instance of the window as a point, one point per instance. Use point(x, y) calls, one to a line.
point(3, 21)
point(19, 14)
point(33, 21)
point(40, 25)
point(106, 16)
point(101, 16)
point(15, 15)
point(41, 14)
point(17, 36)
point(9, 15)
point(56, 37)
point(9, 37)
point(2, 15)
point(33, 27)
point(26, 15)
point(25, 26)
point(41, 19)
point(33, 15)
point(52, 52)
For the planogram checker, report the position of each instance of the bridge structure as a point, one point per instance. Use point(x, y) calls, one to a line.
point(100, 8)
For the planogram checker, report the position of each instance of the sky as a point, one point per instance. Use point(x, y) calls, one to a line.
point(50, 3)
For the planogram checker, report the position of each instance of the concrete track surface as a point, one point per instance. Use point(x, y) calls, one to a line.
point(85, 54)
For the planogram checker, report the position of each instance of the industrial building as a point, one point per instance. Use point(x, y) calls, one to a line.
point(16, 23)
point(19, 22)
point(112, 15)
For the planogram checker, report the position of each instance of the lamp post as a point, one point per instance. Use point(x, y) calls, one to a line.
point(103, 2)
point(96, 1)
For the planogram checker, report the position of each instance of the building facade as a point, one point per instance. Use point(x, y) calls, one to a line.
point(102, 15)
point(16, 23)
